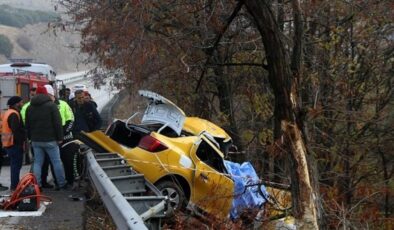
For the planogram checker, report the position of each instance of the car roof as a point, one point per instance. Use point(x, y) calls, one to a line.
point(79, 85)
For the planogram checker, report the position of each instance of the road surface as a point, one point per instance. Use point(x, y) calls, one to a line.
point(63, 213)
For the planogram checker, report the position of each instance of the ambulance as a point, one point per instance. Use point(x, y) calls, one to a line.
point(16, 79)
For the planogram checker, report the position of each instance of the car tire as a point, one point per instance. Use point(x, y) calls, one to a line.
point(176, 196)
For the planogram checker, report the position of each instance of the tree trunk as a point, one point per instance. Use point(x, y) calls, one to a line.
point(286, 107)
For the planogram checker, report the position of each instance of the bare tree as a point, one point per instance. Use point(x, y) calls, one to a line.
point(287, 120)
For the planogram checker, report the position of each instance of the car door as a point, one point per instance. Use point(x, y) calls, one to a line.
point(212, 188)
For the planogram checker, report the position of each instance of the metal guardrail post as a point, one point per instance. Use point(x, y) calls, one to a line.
point(124, 216)
point(153, 210)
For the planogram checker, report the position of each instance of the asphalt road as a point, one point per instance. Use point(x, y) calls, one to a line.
point(64, 212)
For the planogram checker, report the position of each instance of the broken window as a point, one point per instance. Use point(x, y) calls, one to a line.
point(209, 156)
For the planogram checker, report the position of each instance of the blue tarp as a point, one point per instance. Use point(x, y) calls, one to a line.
point(250, 197)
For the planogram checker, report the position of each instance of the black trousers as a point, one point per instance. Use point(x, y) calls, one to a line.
point(69, 155)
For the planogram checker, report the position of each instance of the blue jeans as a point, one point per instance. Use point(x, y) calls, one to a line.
point(52, 149)
point(15, 153)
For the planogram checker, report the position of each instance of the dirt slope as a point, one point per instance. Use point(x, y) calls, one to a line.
point(44, 46)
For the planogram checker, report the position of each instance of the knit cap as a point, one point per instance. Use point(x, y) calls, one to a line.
point(41, 90)
point(14, 100)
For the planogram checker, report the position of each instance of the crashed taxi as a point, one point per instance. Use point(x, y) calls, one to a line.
point(182, 156)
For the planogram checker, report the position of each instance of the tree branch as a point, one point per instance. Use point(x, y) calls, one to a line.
point(239, 64)
point(217, 40)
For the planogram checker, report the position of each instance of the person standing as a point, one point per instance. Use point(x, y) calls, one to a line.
point(88, 99)
point(2, 152)
point(67, 93)
point(33, 92)
point(44, 128)
point(27, 146)
point(67, 149)
point(67, 118)
point(87, 118)
point(45, 166)
point(64, 94)
point(13, 137)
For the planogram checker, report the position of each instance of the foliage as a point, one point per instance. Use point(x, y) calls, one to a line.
point(215, 66)
point(16, 17)
point(5, 46)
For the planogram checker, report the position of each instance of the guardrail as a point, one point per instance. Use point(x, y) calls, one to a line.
point(107, 111)
point(72, 77)
point(120, 189)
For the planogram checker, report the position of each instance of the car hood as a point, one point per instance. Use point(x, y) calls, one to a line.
point(196, 125)
point(160, 110)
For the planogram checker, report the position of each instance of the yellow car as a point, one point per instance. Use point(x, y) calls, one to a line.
point(182, 156)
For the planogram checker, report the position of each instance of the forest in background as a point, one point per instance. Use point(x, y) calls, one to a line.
point(305, 88)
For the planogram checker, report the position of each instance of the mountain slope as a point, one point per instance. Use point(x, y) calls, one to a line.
point(45, 47)
point(47, 5)
point(35, 41)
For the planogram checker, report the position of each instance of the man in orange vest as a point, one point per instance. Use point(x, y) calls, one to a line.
point(2, 188)
point(13, 137)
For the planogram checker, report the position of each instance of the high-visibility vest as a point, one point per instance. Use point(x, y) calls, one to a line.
point(23, 111)
point(66, 113)
point(1, 122)
point(7, 137)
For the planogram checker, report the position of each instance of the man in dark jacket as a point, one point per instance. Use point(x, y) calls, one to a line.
point(13, 138)
point(44, 128)
point(67, 150)
point(86, 115)
point(88, 99)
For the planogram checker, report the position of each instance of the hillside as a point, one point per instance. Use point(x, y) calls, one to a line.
point(36, 42)
point(47, 5)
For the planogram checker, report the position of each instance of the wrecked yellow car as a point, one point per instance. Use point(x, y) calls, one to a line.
point(182, 156)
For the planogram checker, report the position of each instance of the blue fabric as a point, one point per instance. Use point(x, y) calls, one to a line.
point(245, 197)
point(52, 149)
point(15, 153)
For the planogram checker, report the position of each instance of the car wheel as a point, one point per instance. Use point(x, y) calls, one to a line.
point(176, 196)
